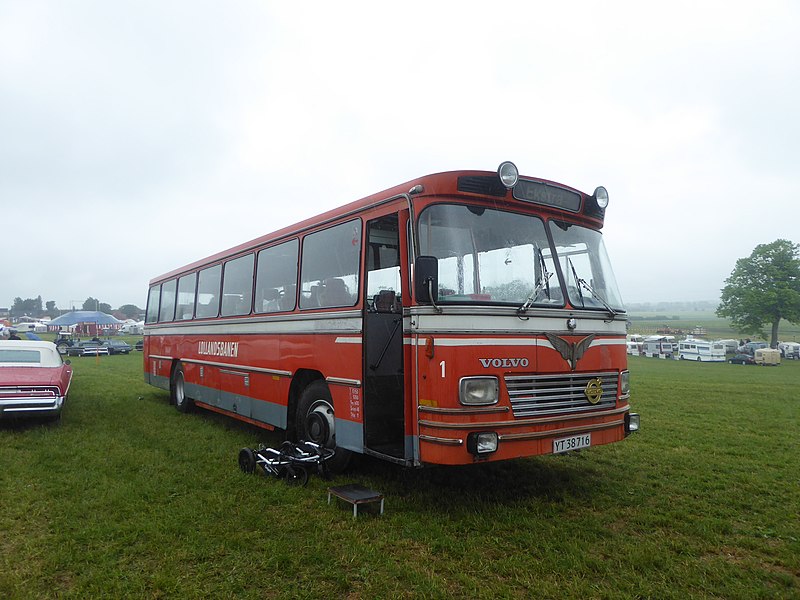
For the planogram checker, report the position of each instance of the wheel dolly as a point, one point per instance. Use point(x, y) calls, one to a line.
point(292, 461)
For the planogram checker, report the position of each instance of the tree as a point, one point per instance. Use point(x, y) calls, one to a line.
point(763, 289)
point(31, 307)
point(131, 311)
point(94, 304)
point(52, 309)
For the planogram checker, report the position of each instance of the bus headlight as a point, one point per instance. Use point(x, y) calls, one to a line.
point(478, 391)
point(631, 423)
point(601, 196)
point(625, 384)
point(509, 175)
point(481, 443)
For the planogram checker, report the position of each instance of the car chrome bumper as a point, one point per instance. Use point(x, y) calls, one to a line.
point(30, 407)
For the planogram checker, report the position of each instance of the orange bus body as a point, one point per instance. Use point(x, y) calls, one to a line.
point(479, 372)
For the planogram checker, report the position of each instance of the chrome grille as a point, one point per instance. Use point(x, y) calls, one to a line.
point(540, 395)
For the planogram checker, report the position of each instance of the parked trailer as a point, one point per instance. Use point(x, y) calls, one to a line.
point(658, 346)
point(789, 350)
point(768, 357)
point(634, 344)
point(701, 350)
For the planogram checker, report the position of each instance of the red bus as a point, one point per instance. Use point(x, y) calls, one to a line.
point(460, 317)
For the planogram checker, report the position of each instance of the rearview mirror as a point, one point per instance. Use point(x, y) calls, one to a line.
point(426, 279)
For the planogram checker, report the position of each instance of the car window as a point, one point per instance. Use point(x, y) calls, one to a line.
point(20, 356)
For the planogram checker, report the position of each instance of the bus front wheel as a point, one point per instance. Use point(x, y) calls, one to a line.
point(177, 390)
point(315, 422)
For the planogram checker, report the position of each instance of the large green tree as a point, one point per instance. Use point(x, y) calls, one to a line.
point(94, 304)
point(763, 289)
point(131, 311)
point(31, 307)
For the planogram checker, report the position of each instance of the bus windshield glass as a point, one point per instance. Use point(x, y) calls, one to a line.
point(586, 268)
point(488, 255)
point(492, 256)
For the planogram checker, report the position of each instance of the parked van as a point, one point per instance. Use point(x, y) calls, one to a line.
point(768, 357)
point(789, 350)
point(731, 346)
point(634, 344)
point(658, 346)
point(701, 350)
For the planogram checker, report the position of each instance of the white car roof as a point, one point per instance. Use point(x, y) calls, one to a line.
point(48, 353)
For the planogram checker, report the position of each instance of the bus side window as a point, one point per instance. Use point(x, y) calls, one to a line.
point(276, 277)
point(208, 282)
point(168, 292)
point(329, 255)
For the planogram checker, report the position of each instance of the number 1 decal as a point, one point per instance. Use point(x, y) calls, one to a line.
point(441, 364)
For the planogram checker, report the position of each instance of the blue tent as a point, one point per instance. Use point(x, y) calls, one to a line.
point(77, 317)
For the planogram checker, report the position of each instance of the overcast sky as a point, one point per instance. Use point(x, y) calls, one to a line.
point(136, 137)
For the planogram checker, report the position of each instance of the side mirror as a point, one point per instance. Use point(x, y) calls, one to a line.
point(426, 279)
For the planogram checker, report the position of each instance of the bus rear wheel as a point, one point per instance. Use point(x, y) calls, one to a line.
point(177, 390)
point(315, 422)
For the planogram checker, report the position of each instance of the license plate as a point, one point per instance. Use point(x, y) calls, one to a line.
point(574, 442)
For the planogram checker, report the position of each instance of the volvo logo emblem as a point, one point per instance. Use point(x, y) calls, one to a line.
point(572, 323)
point(594, 390)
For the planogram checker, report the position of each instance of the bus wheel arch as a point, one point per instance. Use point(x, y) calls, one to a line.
point(315, 421)
point(301, 380)
point(177, 389)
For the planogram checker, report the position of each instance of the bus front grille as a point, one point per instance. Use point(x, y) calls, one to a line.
point(562, 394)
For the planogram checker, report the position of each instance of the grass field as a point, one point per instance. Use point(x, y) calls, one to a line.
point(126, 497)
point(717, 328)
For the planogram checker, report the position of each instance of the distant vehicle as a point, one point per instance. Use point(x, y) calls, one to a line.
point(742, 359)
point(134, 328)
point(731, 346)
point(117, 346)
point(701, 350)
point(139, 345)
point(790, 350)
point(634, 344)
point(658, 346)
point(767, 356)
point(34, 380)
point(751, 347)
point(88, 348)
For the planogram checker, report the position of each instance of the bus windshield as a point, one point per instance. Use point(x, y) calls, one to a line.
point(491, 256)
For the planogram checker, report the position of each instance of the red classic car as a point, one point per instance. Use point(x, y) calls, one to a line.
point(34, 380)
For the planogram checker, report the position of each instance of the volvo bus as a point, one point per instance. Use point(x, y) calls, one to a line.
point(461, 317)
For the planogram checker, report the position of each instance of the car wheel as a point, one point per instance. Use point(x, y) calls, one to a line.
point(177, 390)
point(315, 422)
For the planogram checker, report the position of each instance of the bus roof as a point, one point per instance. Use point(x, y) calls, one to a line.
point(448, 183)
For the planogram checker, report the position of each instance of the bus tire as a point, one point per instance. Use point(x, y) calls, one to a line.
point(177, 390)
point(315, 422)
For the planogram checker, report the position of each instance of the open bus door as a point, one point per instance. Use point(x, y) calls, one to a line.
point(384, 420)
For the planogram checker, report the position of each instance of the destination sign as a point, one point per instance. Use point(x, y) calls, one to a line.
point(542, 193)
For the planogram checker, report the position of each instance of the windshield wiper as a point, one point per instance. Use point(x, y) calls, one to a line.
point(542, 283)
point(582, 283)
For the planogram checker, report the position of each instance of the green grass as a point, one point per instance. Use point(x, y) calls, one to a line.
point(128, 498)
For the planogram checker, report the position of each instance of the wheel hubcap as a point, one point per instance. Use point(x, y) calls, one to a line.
point(320, 424)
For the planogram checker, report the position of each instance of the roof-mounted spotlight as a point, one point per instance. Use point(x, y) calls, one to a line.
point(508, 173)
point(601, 197)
